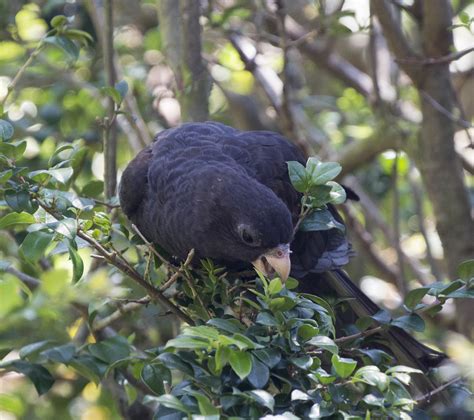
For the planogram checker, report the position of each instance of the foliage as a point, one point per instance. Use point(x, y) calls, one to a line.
point(84, 300)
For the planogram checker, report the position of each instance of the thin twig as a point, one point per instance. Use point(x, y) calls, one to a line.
point(31, 282)
point(21, 71)
point(109, 126)
point(122, 309)
point(150, 246)
point(441, 109)
point(436, 60)
point(123, 265)
point(178, 272)
point(418, 201)
point(355, 336)
point(427, 397)
point(401, 279)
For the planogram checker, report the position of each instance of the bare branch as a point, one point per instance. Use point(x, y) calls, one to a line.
point(438, 60)
point(31, 282)
point(395, 37)
point(426, 398)
point(122, 309)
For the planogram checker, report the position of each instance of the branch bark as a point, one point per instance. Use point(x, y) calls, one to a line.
point(110, 127)
point(435, 154)
point(181, 32)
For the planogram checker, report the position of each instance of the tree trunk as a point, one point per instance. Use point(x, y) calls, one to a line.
point(436, 158)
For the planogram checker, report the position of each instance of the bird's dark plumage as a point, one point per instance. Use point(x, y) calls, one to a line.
point(227, 194)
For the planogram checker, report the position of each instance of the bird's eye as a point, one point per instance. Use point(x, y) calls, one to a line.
point(247, 235)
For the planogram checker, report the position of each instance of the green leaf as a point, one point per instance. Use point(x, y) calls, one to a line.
point(65, 44)
point(306, 332)
point(410, 322)
point(464, 18)
point(466, 270)
point(240, 362)
point(324, 342)
point(321, 219)
point(206, 408)
point(171, 401)
point(122, 88)
point(184, 342)
point(58, 21)
point(5, 175)
point(298, 176)
point(227, 325)
point(39, 375)
point(343, 366)
point(260, 373)
point(402, 369)
point(20, 201)
point(6, 130)
point(382, 317)
point(173, 361)
point(35, 244)
point(322, 172)
point(202, 331)
point(414, 297)
point(62, 175)
point(93, 188)
point(265, 318)
point(275, 286)
point(221, 357)
point(15, 219)
point(372, 376)
point(31, 350)
point(324, 377)
point(112, 93)
point(90, 367)
point(263, 398)
point(271, 357)
point(80, 35)
point(303, 362)
point(111, 349)
point(461, 294)
point(77, 264)
point(337, 194)
point(281, 304)
point(61, 354)
point(153, 376)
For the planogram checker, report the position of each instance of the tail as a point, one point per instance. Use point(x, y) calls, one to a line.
point(407, 350)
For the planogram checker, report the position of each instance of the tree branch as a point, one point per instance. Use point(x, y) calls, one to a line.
point(109, 126)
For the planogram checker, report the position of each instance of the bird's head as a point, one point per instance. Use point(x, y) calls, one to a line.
point(249, 223)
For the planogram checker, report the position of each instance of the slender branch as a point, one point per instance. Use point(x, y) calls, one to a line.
point(355, 336)
point(418, 201)
point(395, 36)
point(441, 109)
point(436, 60)
point(31, 282)
point(182, 269)
point(21, 72)
point(150, 246)
point(122, 309)
point(402, 282)
point(109, 126)
point(427, 397)
point(119, 261)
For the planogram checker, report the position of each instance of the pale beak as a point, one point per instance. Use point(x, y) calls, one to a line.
point(277, 260)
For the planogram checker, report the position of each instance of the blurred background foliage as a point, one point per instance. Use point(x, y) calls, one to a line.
point(325, 77)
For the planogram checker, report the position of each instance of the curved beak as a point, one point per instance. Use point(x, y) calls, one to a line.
point(276, 261)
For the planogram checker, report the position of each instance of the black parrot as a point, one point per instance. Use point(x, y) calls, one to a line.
point(227, 194)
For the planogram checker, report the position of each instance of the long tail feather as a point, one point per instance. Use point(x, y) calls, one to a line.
point(407, 350)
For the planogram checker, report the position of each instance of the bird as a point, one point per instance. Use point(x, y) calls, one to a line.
point(227, 194)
